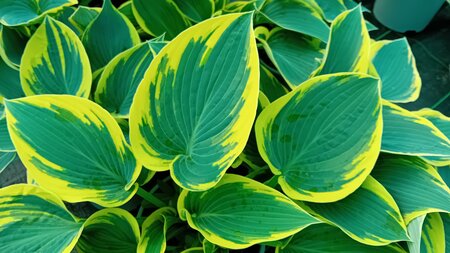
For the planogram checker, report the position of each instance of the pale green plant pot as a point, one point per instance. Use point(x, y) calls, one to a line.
point(406, 15)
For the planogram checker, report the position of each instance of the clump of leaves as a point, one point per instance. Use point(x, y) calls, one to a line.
point(215, 126)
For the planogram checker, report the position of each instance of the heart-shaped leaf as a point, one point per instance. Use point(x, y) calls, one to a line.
point(154, 228)
point(74, 148)
point(55, 62)
point(109, 230)
point(193, 112)
point(35, 220)
point(239, 212)
point(323, 138)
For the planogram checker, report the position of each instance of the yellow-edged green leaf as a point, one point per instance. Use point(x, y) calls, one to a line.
point(369, 215)
point(107, 35)
point(296, 56)
point(154, 228)
point(331, 8)
point(323, 238)
point(446, 221)
point(349, 47)
point(109, 230)
point(34, 220)
point(74, 148)
point(83, 16)
point(25, 12)
point(323, 138)
point(396, 67)
point(6, 144)
point(442, 122)
point(6, 158)
point(12, 44)
point(407, 133)
point(121, 77)
point(55, 62)
point(64, 16)
point(298, 16)
point(127, 10)
point(427, 234)
point(269, 85)
point(416, 186)
point(193, 112)
point(157, 17)
point(433, 234)
point(9, 82)
point(239, 212)
point(196, 10)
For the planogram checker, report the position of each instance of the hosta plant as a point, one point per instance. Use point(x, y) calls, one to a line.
point(215, 126)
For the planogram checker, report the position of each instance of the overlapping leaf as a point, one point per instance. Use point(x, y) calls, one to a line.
point(24, 12)
point(35, 220)
point(239, 212)
point(323, 238)
point(369, 215)
point(121, 77)
point(442, 122)
point(55, 62)
point(415, 186)
point(10, 82)
point(395, 65)
point(109, 230)
point(12, 44)
point(107, 35)
point(349, 47)
point(154, 228)
point(298, 16)
point(324, 137)
point(160, 16)
point(196, 10)
point(407, 133)
point(296, 56)
point(193, 112)
point(73, 147)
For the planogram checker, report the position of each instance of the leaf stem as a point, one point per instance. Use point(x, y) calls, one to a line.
point(150, 198)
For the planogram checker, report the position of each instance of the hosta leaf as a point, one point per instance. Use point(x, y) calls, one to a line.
point(446, 221)
point(154, 228)
point(442, 122)
point(193, 250)
point(433, 234)
point(427, 232)
point(296, 56)
point(10, 82)
point(396, 67)
point(193, 112)
point(160, 16)
point(369, 215)
point(83, 16)
point(74, 148)
point(407, 133)
point(5, 159)
point(269, 85)
point(109, 230)
point(12, 44)
point(121, 77)
point(239, 212)
point(34, 220)
point(324, 137)
point(323, 238)
point(416, 186)
point(55, 62)
point(209, 247)
point(107, 35)
point(196, 10)
point(25, 12)
point(349, 47)
point(331, 8)
point(6, 144)
point(298, 16)
point(127, 10)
